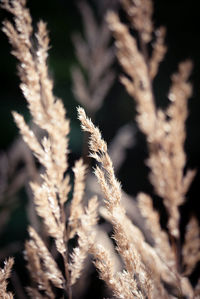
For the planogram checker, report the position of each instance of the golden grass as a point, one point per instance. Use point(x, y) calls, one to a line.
point(147, 270)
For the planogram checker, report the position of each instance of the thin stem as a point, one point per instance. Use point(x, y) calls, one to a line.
point(174, 242)
point(144, 49)
point(85, 150)
point(175, 248)
point(67, 275)
point(145, 54)
point(65, 257)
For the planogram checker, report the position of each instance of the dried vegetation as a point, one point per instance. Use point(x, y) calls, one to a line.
point(131, 266)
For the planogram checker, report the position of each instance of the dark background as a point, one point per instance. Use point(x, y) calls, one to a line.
point(181, 19)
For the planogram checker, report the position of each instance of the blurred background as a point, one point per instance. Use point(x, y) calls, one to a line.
point(117, 109)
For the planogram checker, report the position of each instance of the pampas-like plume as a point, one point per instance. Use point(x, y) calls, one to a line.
point(164, 130)
point(166, 157)
point(85, 241)
point(93, 50)
point(76, 208)
point(149, 270)
point(112, 192)
point(48, 264)
point(4, 275)
point(48, 113)
point(191, 248)
point(160, 237)
point(50, 196)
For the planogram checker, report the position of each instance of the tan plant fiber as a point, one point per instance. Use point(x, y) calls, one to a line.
point(4, 275)
point(86, 239)
point(50, 196)
point(153, 221)
point(76, 208)
point(93, 49)
point(112, 192)
point(159, 268)
point(164, 130)
point(48, 264)
point(149, 264)
point(166, 171)
point(191, 247)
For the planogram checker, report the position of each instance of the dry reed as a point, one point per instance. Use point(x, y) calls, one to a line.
point(52, 150)
point(147, 270)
